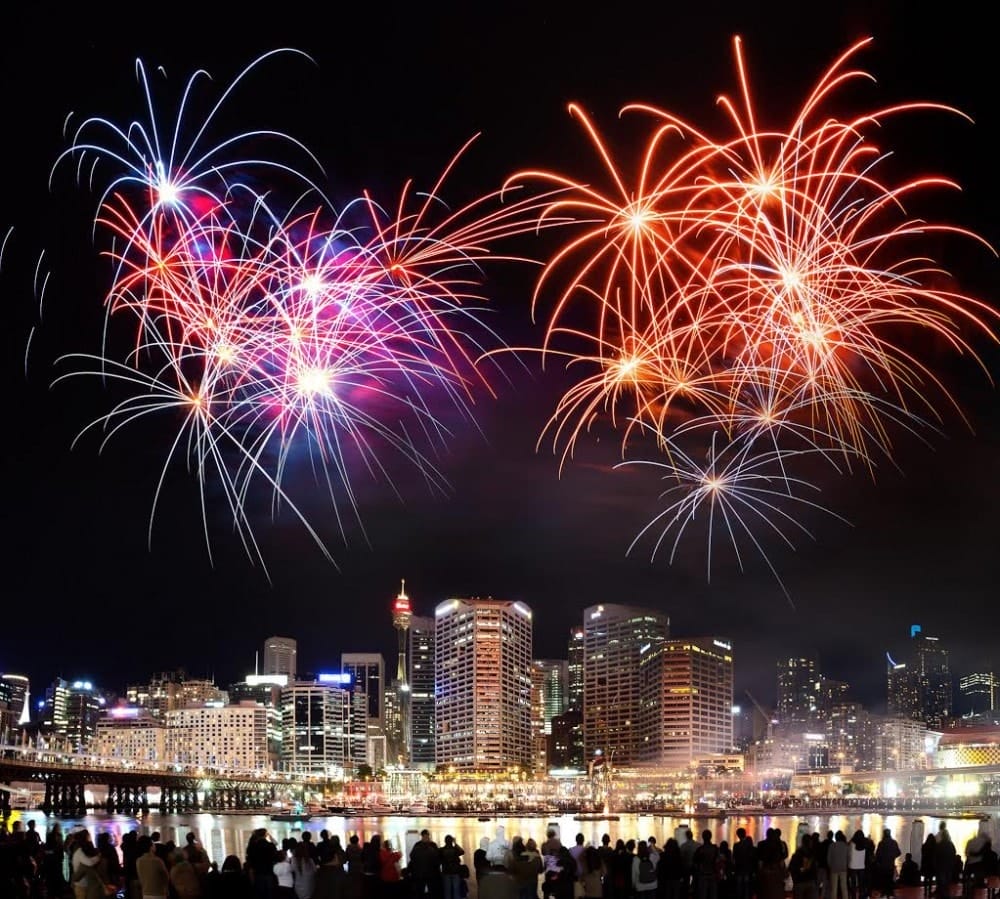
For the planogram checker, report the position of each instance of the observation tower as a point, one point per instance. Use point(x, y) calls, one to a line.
point(401, 615)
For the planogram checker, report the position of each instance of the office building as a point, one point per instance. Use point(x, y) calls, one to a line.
point(220, 738)
point(798, 689)
point(686, 691)
point(420, 661)
point(315, 725)
point(482, 653)
point(613, 638)
point(280, 657)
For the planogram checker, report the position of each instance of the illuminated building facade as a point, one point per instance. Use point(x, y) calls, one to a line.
point(548, 699)
point(265, 690)
point(232, 737)
point(686, 695)
point(367, 683)
point(979, 693)
point(281, 657)
point(613, 636)
point(798, 689)
point(17, 694)
point(171, 690)
point(131, 734)
point(574, 670)
point(315, 725)
point(420, 677)
point(921, 687)
point(402, 614)
point(482, 654)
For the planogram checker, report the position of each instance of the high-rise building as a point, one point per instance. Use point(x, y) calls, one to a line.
point(84, 706)
point(132, 734)
point(565, 744)
point(979, 693)
point(935, 678)
point(52, 710)
point(420, 661)
point(921, 688)
point(280, 657)
point(798, 689)
point(232, 737)
point(402, 615)
point(265, 690)
point(367, 673)
point(19, 697)
point(482, 654)
point(574, 687)
point(686, 689)
point(903, 693)
point(315, 724)
point(613, 637)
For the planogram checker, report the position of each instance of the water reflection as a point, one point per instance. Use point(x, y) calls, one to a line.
point(223, 835)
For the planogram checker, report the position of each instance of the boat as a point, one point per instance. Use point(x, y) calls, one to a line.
point(596, 816)
point(290, 816)
point(379, 810)
point(417, 808)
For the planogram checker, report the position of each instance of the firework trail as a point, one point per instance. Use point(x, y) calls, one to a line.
point(272, 332)
point(753, 293)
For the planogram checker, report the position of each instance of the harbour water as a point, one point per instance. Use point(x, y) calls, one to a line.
point(223, 835)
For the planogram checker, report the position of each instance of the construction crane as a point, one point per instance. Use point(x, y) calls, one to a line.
point(768, 721)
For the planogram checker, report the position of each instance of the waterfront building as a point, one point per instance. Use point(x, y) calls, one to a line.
point(482, 663)
point(232, 737)
point(613, 636)
point(798, 689)
point(420, 678)
point(686, 701)
point(968, 747)
point(280, 657)
point(315, 724)
point(131, 734)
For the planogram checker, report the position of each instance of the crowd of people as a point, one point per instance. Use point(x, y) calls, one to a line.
point(684, 867)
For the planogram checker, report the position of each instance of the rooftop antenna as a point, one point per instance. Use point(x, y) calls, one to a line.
point(256, 662)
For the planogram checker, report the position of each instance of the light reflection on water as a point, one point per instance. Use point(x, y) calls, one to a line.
point(223, 835)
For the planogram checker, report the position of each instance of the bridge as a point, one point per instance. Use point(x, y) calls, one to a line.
point(181, 789)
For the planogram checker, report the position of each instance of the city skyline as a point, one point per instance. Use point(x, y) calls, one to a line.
point(773, 688)
point(86, 596)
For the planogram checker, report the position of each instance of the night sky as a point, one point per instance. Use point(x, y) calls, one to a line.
point(393, 94)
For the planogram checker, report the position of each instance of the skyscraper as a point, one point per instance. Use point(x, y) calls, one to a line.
point(687, 700)
point(935, 677)
point(367, 673)
point(574, 691)
point(548, 700)
point(19, 697)
point(280, 656)
point(613, 636)
point(316, 724)
point(420, 661)
point(920, 687)
point(482, 654)
point(798, 689)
